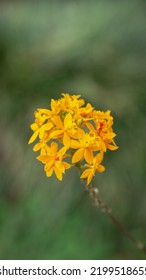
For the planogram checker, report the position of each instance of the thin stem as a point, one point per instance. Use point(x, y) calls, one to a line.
point(105, 209)
point(99, 203)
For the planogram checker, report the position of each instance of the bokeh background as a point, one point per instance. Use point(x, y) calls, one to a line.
point(97, 49)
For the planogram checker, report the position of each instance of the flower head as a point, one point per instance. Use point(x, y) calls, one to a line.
point(71, 125)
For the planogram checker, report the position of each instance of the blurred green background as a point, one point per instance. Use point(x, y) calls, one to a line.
point(97, 49)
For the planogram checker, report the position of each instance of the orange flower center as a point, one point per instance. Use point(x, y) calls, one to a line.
point(101, 127)
point(57, 158)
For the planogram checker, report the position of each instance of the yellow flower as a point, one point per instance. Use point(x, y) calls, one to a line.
point(39, 126)
point(65, 129)
point(95, 166)
point(53, 161)
point(103, 130)
point(85, 145)
point(71, 103)
point(86, 112)
point(55, 109)
point(42, 145)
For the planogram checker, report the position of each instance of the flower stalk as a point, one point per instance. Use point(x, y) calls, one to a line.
point(99, 203)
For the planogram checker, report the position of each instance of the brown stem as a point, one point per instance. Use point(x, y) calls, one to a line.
point(104, 208)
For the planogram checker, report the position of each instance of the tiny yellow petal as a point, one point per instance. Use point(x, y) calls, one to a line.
point(58, 122)
point(54, 147)
point(78, 155)
point(53, 103)
point(100, 168)
point(47, 126)
point(56, 134)
point(85, 173)
point(34, 126)
point(58, 173)
point(111, 147)
point(45, 111)
point(99, 158)
point(66, 165)
point(33, 137)
point(41, 133)
point(88, 155)
point(67, 120)
point(74, 144)
point(60, 167)
point(110, 135)
point(49, 165)
point(79, 133)
point(43, 158)
point(90, 178)
point(49, 173)
point(66, 140)
point(43, 151)
point(37, 147)
point(62, 151)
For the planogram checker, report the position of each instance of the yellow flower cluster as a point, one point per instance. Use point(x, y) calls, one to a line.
point(71, 129)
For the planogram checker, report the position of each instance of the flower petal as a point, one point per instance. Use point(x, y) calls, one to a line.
point(45, 111)
point(66, 165)
point(53, 103)
point(74, 144)
point(56, 134)
point(99, 158)
point(43, 158)
point(88, 155)
point(58, 173)
point(41, 132)
point(66, 140)
point(43, 151)
point(54, 147)
point(67, 120)
point(100, 168)
point(90, 178)
point(58, 122)
point(85, 173)
point(110, 135)
point(61, 152)
point(34, 126)
point(49, 165)
point(37, 147)
point(78, 155)
point(79, 133)
point(111, 147)
point(49, 173)
point(33, 137)
point(60, 167)
point(47, 126)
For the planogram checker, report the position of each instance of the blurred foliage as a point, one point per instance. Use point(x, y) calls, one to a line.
point(97, 49)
